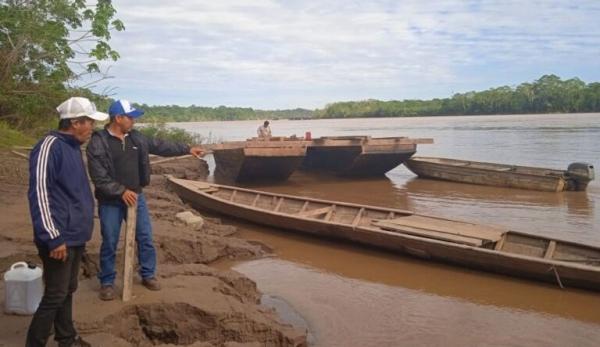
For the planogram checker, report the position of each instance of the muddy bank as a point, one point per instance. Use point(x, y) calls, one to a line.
point(199, 305)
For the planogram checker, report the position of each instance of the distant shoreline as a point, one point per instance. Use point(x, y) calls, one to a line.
point(327, 118)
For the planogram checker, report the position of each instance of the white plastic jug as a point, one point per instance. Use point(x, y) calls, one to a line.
point(23, 288)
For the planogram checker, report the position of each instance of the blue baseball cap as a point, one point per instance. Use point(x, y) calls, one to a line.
point(123, 108)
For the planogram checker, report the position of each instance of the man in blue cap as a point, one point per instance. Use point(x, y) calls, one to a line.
point(119, 166)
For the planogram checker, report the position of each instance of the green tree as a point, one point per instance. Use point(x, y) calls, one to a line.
point(547, 94)
point(45, 45)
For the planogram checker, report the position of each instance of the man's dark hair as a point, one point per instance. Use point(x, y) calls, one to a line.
point(65, 124)
point(266, 123)
point(112, 118)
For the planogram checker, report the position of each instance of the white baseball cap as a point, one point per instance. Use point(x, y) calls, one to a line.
point(78, 107)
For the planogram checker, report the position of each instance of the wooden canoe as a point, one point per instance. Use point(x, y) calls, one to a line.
point(476, 246)
point(576, 177)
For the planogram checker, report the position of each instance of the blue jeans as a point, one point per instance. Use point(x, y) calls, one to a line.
point(111, 217)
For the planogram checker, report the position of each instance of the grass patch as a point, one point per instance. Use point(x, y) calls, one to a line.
point(10, 137)
point(162, 131)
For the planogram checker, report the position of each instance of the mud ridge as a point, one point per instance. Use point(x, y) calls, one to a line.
point(184, 324)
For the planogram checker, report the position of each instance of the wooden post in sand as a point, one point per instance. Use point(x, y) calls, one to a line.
point(129, 252)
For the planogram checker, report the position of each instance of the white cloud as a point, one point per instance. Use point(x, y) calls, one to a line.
point(268, 54)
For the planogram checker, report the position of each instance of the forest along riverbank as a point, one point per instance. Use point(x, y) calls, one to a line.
point(199, 304)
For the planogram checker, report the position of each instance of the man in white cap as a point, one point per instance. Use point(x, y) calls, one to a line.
point(119, 166)
point(62, 211)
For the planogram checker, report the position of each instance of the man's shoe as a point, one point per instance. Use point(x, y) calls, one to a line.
point(107, 293)
point(151, 283)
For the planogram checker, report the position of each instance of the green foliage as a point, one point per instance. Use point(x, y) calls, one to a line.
point(548, 94)
point(10, 137)
point(161, 131)
point(40, 42)
point(174, 113)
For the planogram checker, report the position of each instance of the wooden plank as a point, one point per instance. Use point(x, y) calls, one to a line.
point(129, 252)
point(233, 195)
point(315, 212)
point(391, 215)
point(550, 250)
point(500, 243)
point(22, 155)
point(358, 217)
point(333, 141)
point(160, 161)
point(27, 148)
point(278, 206)
point(329, 214)
point(447, 226)
point(304, 207)
point(471, 241)
point(255, 200)
point(202, 185)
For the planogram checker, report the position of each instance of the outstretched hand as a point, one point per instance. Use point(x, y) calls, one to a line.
point(197, 151)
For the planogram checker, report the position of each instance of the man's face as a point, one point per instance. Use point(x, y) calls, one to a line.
point(125, 123)
point(83, 128)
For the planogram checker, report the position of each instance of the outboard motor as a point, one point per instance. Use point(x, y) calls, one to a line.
point(581, 174)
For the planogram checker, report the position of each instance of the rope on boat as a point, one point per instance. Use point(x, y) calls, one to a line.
point(557, 276)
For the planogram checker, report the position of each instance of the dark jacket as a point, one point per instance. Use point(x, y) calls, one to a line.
point(101, 165)
point(60, 198)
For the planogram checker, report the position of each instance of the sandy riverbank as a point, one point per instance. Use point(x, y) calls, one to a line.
point(198, 305)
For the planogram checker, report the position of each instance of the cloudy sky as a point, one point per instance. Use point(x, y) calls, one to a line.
point(271, 54)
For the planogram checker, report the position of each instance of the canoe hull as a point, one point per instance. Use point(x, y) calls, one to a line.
point(490, 174)
point(482, 258)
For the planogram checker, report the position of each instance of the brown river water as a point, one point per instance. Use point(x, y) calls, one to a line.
point(354, 296)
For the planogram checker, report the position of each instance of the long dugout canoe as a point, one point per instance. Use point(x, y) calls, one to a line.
point(471, 245)
point(576, 177)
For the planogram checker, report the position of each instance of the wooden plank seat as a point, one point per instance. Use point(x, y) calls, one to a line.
point(316, 212)
point(453, 231)
point(206, 187)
